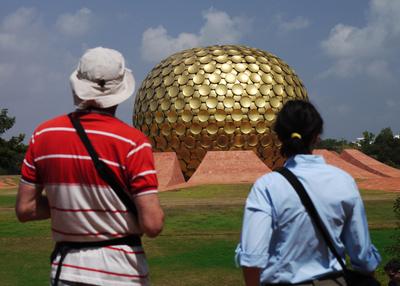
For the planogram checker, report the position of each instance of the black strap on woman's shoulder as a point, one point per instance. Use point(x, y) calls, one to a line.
point(103, 170)
point(312, 211)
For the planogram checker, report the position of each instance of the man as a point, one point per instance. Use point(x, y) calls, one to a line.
point(82, 206)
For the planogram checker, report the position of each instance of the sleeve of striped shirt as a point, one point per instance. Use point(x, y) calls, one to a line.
point(28, 169)
point(141, 169)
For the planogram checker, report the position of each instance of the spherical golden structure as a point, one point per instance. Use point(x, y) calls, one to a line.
point(215, 98)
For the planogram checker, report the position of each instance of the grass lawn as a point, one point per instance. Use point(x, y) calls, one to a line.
point(196, 247)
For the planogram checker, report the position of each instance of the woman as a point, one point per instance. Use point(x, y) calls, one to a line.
point(279, 244)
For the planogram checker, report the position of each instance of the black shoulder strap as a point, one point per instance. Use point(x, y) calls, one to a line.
point(104, 171)
point(312, 211)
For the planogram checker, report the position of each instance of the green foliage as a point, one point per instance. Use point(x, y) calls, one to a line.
point(334, 144)
point(395, 248)
point(11, 151)
point(384, 147)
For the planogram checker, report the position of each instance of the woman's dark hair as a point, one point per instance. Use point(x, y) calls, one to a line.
point(298, 124)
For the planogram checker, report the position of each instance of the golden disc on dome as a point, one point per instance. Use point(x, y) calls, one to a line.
point(242, 77)
point(161, 142)
point(165, 104)
point(173, 91)
point(165, 129)
point(203, 115)
point(229, 102)
point(266, 78)
point(149, 93)
point(251, 89)
point(261, 127)
point(195, 128)
point(221, 89)
point(205, 141)
point(222, 141)
point(189, 142)
point(237, 59)
point(260, 102)
point(220, 115)
point(289, 90)
point(153, 105)
point(179, 104)
point(205, 59)
point(222, 59)
point(199, 153)
point(232, 51)
point(187, 90)
point(159, 117)
point(230, 78)
point(265, 89)
point(265, 68)
point(211, 102)
point(168, 80)
point(237, 115)
point(190, 61)
point(277, 69)
point(253, 140)
point(180, 129)
point(278, 89)
point(172, 116)
point(253, 115)
point(210, 67)
point(166, 71)
point(195, 103)
point(237, 89)
point(212, 128)
point(279, 78)
point(229, 128)
point(154, 129)
point(183, 79)
point(187, 116)
point(245, 101)
point(182, 164)
point(218, 52)
point(240, 67)
point(148, 117)
point(270, 114)
point(198, 78)
point(204, 90)
point(255, 77)
point(253, 67)
point(289, 79)
point(250, 59)
point(245, 127)
point(179, 69)
point(160, 92)
point(175, 142)
point(214, 78)
point(226, 68)
point(238, 141)
point(193, 68)
point(266, 140)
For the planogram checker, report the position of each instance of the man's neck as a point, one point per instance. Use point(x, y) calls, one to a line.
point(108, 111)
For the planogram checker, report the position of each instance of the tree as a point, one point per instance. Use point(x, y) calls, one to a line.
point(384, 147)
point(334, 144)
point(11, 151)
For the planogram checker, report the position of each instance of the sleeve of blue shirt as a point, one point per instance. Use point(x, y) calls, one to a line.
point(256, 229)
point(363, 254)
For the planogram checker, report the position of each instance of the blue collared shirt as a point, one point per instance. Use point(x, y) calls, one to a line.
point(279, 237)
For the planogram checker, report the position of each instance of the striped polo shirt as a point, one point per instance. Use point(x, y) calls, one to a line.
point(83, 207)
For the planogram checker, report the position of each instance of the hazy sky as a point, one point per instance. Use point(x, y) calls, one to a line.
point(346, 52)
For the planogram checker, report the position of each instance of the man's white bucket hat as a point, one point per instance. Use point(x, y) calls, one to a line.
point(101, 79)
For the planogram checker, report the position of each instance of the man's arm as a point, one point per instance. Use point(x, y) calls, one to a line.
point(150, 214)
point(31, 203)
point(251, 276)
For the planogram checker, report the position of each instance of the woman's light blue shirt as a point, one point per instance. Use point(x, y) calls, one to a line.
point(279, 237)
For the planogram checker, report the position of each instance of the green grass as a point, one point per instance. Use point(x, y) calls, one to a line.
point(196, 247)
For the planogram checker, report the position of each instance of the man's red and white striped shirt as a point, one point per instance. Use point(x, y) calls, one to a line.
point(83, 207)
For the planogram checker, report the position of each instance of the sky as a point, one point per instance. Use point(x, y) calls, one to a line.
point(345, 52)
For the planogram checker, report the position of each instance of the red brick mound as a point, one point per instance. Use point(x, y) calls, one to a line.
point(380, 184)
point(7, 182)
point(228, 167)
point(168, 170)
point(368, 163)
point(334, 159)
